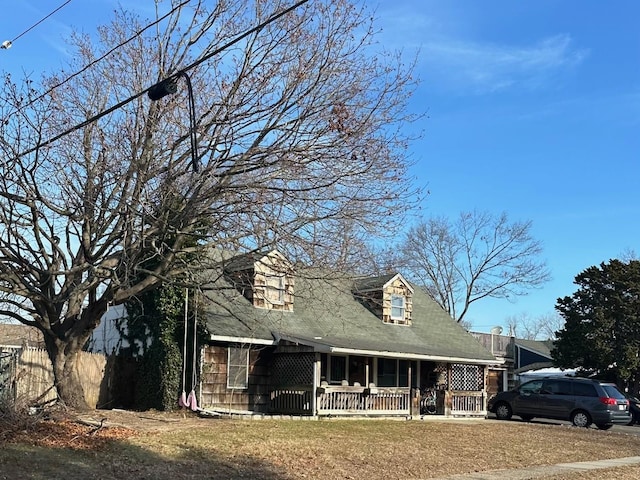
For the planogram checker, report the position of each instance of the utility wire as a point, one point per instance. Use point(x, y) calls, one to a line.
point(7, 43)
point(98, 116)
point(91, 64)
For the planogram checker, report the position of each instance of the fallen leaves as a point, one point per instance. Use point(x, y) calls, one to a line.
point(64, 434)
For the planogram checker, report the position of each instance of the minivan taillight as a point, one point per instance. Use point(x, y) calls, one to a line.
point(608, 401)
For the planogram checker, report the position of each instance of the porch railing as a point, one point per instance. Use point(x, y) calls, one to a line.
point(467, 403)
point(349, 400)
point(294, 401)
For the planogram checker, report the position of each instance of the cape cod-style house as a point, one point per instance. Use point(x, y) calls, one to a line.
point(320, 343)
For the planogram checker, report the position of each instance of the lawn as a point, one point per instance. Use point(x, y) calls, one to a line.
point(199, 448)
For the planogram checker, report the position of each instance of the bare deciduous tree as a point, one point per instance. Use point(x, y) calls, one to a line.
point(543, 327)
point(479, 255)
point(298, 132)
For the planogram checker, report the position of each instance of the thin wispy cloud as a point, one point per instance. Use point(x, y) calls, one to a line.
point(485, 68)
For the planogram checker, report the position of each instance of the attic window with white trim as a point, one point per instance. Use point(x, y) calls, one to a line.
point(275, 289)
point(397, 307)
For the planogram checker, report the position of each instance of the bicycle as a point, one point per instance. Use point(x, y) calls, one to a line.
point(428, 401)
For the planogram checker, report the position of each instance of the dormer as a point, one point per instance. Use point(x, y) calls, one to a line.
point(263, 278)
point(389, 297)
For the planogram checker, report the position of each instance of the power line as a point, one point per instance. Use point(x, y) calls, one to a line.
point(91, 64)
point(98, 116)
point(7, 43)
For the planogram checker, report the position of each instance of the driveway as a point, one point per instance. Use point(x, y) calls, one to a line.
point(628, 429)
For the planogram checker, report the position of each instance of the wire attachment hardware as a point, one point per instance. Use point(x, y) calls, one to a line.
point(168, 86)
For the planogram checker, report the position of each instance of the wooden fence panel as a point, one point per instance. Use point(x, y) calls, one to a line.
point(91, 368)
point(33, 377)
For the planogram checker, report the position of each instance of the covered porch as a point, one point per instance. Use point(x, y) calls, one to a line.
point(363, 384)
point(351, 400)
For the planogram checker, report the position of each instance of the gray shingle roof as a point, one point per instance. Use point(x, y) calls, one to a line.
point(327, 314)
point(541, 347)
point(18, 334)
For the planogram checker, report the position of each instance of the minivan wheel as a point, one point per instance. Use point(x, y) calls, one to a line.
point(503, 411)
point(580, 418)
point(605, 426)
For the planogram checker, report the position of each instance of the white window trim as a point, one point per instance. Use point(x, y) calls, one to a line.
point(233, 385)
point(404, 307)
point(269, 289)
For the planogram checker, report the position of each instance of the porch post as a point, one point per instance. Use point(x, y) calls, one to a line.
point(484, 387)
point(448, 398)
point(316, 383)
point(366, 374)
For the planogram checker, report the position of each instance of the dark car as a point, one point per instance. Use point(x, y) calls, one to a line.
point(634, 409)
point(582, 401)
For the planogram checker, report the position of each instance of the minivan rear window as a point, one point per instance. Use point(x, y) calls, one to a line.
point(584, 389)
point(613, 392)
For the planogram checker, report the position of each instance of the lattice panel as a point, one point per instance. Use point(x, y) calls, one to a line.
point(466, 377)
point(292, 369)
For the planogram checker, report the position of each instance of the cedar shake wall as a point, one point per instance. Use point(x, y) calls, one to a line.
point(266, 291)
point(379, 302)
point(215, 393)
point(397, 288)
point(260, 286)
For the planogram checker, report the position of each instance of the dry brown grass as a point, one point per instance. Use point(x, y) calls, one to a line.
point(163, 446)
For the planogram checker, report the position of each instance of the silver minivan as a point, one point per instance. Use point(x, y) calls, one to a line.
point(582, 401)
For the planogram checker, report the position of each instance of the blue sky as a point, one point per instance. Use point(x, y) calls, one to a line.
point(533, 108)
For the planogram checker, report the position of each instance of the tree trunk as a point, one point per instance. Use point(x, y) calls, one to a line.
point(64, 356)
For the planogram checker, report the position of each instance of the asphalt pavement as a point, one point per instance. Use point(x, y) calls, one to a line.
point(528, 473)
point(627, 429)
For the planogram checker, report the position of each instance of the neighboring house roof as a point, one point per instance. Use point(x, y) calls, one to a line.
point(18, 335)
point(327, 316)
point(540, 347)
point(532, 354)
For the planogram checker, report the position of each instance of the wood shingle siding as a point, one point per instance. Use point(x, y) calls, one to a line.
point(216, 394)
point(266, 280)
point(397, 287)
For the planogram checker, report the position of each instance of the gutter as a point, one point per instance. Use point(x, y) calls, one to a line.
point(247, 340)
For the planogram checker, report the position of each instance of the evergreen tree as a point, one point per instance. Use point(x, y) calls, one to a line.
point(602, 323)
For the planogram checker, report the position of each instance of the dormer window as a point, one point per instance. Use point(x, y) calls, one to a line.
point(265, 279)
point(389, 297)
point(275, 289)
point(397, 307)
